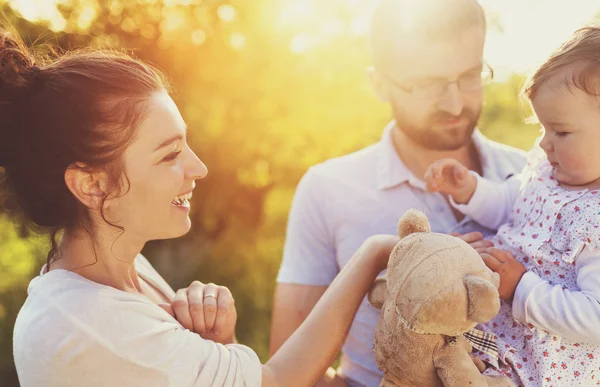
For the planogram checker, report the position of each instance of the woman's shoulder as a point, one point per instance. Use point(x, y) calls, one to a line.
point(61, 299)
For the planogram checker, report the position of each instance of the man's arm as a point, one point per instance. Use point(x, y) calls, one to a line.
point(291, 306)
point(309, 265)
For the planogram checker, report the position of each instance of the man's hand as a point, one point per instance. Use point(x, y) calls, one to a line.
point(450, 177)
point(208, 310)
point(475, 240)
point(509, 269)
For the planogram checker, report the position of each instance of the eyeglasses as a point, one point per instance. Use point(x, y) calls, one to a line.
point(435, 87)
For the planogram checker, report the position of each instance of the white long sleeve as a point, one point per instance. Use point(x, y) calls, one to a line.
point(571, 314)
point(73, 332)
point(491, 203)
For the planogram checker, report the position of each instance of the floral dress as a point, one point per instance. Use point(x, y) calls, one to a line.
point(548, 227)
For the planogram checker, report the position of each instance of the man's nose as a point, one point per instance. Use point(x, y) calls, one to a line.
point(452, 102)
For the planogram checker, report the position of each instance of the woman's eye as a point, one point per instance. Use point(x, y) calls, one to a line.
point(172, 156)
point(562, 134)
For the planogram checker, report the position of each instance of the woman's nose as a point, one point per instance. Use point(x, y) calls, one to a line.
point(195, 168)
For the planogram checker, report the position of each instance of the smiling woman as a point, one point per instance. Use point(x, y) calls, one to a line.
point(92, 145)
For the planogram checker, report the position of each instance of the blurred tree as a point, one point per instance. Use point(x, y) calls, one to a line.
point(264, 97)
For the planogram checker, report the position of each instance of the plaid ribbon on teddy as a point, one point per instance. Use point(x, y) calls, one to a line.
point(482, 341)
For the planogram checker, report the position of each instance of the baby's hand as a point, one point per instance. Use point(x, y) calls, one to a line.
point(509, 269)
point(475, 240)
point(450, 177)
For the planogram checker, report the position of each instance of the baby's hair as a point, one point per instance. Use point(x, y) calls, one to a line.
point(581, 55)
point(78, 110)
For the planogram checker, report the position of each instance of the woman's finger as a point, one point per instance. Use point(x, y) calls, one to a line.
point(209, 298)
point(196, 306)
point(181, 309)
point(491, 262)
point(225, 305)
point(167, 308)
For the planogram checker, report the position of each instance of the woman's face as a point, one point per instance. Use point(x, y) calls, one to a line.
point(160, 169)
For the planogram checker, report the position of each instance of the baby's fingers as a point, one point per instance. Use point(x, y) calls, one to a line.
point(434, 177)
point(501, 255)
point(430, 182)
point(491, 262)
point(460, 173)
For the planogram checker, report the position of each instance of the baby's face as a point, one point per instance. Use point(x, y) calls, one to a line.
point(571, 121)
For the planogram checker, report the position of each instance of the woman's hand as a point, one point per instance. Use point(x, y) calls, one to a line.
point(475, 240)
point(450, 177)
point(510, 270)
point(208, 310)
point(381, 247)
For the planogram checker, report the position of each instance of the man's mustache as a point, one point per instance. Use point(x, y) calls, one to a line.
point(467, 114)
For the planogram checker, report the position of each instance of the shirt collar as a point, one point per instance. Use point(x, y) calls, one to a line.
point(392, 172)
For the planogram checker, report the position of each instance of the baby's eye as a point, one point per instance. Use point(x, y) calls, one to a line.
point(562, 134)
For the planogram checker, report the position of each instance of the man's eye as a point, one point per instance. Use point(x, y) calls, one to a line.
point(427, 83)
point(172, 156)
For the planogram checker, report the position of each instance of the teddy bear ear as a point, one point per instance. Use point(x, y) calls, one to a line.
point(378, 293)
point(411, 222)
point(484, 300)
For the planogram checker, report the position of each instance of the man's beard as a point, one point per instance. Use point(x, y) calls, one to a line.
point(430, 136)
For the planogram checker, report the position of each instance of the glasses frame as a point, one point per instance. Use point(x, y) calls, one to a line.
point(485, 80)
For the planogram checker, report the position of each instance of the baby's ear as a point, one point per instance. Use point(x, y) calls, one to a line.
point(378, 293)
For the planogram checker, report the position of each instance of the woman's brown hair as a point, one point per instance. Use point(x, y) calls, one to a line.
point(79, 110)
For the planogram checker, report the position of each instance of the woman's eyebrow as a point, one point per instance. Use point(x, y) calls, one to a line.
point(171, 140)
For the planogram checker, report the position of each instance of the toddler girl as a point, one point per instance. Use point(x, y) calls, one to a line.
point(548, 219)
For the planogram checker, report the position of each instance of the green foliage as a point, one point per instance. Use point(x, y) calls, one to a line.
point(259, 116)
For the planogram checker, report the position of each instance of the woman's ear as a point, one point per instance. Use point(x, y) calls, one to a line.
point(378, 84)
point(89, 187)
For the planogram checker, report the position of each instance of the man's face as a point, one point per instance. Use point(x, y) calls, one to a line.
point(443, 120)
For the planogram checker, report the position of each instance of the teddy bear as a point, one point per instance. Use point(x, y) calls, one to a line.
point(436, 289)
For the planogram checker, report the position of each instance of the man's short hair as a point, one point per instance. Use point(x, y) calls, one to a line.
point(395, 20)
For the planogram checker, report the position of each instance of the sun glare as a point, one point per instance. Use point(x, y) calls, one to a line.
point(521, 34)
point(531, 30)
point(35, 10)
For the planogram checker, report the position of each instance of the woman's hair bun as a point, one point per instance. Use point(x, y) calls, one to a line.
point(16, 64)
point(17, 75)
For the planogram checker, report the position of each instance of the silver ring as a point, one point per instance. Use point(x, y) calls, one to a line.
point(210, 295)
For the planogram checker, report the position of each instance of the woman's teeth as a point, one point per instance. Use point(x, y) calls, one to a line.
point(183, 200)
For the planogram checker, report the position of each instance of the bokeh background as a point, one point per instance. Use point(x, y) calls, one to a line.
point(268, 88)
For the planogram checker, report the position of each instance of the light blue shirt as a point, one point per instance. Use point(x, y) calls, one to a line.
point(341, 202)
